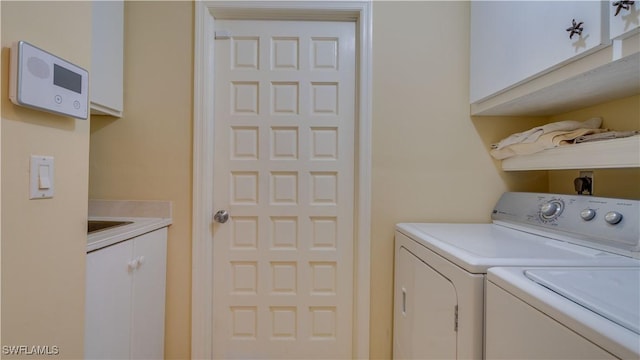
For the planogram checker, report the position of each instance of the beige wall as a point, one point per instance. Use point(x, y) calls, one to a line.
point(146, 155)
point(622, 114)
point(430, 160)
point(421, 108)
point(44, 241)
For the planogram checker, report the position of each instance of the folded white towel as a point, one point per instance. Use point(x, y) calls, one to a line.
point(546, 141)
point(532, 135)
point(606, 136)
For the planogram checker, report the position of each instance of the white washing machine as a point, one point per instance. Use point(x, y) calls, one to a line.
point(440, 269)
point(572, 313)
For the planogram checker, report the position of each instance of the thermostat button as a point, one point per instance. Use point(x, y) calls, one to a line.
point(76, 104)
point(58, 99)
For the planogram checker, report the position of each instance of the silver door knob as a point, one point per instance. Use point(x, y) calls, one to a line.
point(221, 216)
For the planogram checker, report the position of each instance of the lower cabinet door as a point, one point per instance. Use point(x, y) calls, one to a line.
point(108, 303)
point(148, 302)
point(125, 299)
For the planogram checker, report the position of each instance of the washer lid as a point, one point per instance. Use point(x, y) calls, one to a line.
point(611, 293)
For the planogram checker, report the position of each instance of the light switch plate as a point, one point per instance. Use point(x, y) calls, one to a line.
point(42, 176)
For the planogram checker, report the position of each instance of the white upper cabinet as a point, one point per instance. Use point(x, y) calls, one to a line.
point(524, 63)
point(624, 19)
point(106, 79)
point(515, 41)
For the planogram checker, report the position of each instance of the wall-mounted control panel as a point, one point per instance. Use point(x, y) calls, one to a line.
point(43, 81)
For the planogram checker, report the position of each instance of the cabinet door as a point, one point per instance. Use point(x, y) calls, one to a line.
point(149, 253)
point(626, 22)
point(106, 79)
point(514, 41)
point(108, 302)
point(427, 325)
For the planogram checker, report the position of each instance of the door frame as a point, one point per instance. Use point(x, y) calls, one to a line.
point(206, 12)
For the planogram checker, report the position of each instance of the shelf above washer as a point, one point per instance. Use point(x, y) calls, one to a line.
point(615, 153)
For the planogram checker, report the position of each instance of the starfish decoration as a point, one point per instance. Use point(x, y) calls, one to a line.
point(624, 4)
point(576, 28)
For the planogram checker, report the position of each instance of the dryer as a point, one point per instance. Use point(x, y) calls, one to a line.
point(440, 268)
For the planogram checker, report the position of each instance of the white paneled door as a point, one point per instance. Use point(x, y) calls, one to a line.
point(284, 172)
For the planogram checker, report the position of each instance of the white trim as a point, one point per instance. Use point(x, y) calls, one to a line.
point(201, 262)
point(202, 283)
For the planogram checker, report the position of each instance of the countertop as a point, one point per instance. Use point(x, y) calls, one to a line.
point(146, 216)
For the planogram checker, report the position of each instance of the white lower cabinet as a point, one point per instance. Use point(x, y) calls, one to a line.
point(125, 299)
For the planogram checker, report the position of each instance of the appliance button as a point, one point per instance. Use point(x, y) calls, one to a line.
point(58, 99)
point(613, 217)
point(76, 104)
point(587, 214)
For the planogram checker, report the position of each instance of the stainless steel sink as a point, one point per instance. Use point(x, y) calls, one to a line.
point(99, 225)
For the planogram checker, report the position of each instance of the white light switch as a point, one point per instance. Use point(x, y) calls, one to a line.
point(44, 181)
point(42, 175)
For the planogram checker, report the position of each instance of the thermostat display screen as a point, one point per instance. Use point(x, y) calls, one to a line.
point(67, 79)
point(43, 81)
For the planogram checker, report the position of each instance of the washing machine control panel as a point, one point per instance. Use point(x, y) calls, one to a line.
point(613, 223)
point(550, 210)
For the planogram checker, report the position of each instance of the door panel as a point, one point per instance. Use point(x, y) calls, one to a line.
point(108, 303)
point(284, 170)
point(148, 300)
point(425, 311)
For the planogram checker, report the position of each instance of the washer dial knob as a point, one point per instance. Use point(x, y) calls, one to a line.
point(587, 214)
point(551, 210)
point(613, 217)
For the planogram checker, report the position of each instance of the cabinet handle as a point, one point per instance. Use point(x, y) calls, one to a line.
point(135, 263)
point(576, 28)
point(624, 4)
point(132, 265)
